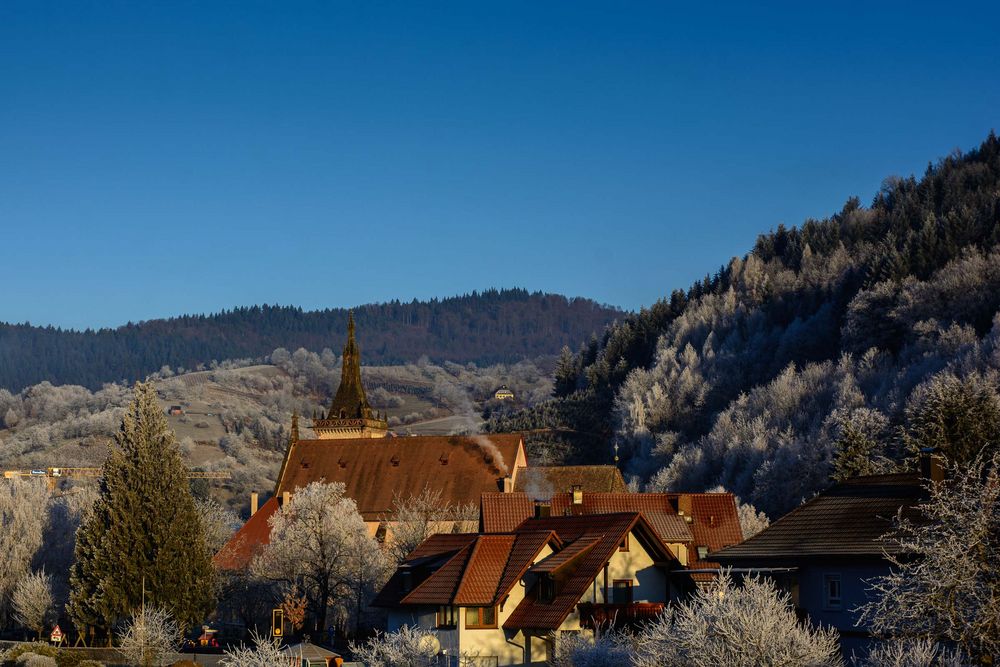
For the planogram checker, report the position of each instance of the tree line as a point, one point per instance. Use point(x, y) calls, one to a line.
point(492, 326)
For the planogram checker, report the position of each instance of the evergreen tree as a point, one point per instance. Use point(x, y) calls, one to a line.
point(566, 373)
point(144, 530)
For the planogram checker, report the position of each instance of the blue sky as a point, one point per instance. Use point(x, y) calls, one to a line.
point(159, 158)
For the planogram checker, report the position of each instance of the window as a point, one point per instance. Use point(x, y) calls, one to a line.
point(702, 553)
point(546, 589)
point(447, 617)
point(621, 592)
point(831, 591)
point(480, 617)
point(624, 545)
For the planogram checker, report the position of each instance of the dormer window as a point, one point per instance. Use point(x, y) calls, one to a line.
point(702, 552)
point(546, 588)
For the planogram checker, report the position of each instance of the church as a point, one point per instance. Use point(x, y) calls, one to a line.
point(353, 445)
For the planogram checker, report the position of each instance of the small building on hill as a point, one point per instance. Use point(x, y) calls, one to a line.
point(503, 394)
point(508, 598)
point(694, 525)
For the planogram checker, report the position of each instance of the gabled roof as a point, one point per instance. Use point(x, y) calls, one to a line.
point(375, 470)
point(601, 535)
point(847, 520)
point(479, 570)
point(241, 547)
point(562, 479)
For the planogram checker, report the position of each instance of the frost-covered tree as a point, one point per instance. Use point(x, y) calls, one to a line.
point(218, 522)
point(265, 652)
point(415, 518)
point(605, 649)
point(23, 516)
point(149, 636)
point(861, 437)
point(407, 647)
point(32, 601)
point(943, 584)
point(313, 547)
point(959, 416)
point(752, 625)
point(911, 653)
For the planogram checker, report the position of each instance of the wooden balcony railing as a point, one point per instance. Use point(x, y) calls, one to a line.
point(618, 615)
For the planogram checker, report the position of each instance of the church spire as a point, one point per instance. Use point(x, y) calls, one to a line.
point(350, 410)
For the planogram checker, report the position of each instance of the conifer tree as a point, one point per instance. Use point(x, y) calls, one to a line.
point(144, 530)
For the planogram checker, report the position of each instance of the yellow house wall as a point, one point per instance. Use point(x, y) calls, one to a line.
point(507, 646)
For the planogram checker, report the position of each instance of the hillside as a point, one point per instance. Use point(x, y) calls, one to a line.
point(837, 347)
point(494, 326)
point(236, 418)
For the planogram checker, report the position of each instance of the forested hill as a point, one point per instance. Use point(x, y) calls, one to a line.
point(837, 347)
point(484, 327)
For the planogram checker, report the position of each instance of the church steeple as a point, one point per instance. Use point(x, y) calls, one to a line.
point(350, 414)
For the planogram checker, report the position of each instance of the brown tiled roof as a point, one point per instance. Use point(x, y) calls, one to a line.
point(560, 558)
point(484, 571)
point(847, 520)
point(479, 570)
point(241, 547)
point(562, 479)
point(429, 555)
point(375, 470)
point(607, 531)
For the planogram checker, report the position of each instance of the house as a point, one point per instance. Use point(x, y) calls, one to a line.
point(507, 598)
point(693, 525)
point(823, 552)
point(175, 410)
point(503, 394)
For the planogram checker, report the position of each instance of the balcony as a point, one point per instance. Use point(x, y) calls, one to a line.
point(618, 615)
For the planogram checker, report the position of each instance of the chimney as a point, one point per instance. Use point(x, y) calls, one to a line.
point(931, 465)
point(285, 497)
point(253, 503)
point(542, 510)
point(577, 494)
point(508, 484)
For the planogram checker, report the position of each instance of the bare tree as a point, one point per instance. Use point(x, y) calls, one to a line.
point(313, 545)
point(729, 625)
point(265, 652)
point(32, 601)
point(943, 584)
point(23, 515)
point(605, 649)
point(219, 522)
point(407, 647)
point(149, 637)
point(418, 517)
point(912, 653)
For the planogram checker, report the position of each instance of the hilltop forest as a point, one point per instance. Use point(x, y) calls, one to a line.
point(493, 326)
point(838, 347)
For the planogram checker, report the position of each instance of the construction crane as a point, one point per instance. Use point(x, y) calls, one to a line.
point(53, 473)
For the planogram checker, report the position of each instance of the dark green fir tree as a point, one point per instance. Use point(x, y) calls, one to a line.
point(144, 530)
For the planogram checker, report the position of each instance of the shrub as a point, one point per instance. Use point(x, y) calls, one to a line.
point(30, 659)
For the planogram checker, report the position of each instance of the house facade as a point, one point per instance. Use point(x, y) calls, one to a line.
point(508, 598)
point(825, 551)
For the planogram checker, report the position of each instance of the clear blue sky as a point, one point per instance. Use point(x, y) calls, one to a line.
point(159, 158)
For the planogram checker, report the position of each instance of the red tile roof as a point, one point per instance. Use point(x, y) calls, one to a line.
point(484, 571)
point(567, 555)
point(241, 547)
point(848, 519)
point(376, 470)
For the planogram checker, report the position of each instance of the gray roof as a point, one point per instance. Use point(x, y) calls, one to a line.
point(849, 519)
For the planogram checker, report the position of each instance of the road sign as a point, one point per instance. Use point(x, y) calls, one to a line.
point(57, 635)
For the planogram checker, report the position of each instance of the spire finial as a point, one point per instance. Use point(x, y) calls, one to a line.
point(295, 426)
point(350, 325)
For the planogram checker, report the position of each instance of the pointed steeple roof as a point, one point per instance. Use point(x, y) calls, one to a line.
point(351, 402)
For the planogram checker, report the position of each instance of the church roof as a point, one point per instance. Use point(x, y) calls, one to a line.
point(350, 402)
point(375, 471)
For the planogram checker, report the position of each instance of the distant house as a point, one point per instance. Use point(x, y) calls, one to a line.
point(693, 525)
point(175, 410)
point(823, 552)
point(503, 394)
point(508, 598)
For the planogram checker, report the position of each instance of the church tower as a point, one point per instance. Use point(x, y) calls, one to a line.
point(350, 415)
